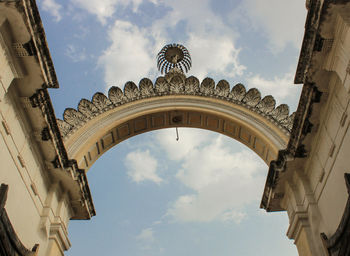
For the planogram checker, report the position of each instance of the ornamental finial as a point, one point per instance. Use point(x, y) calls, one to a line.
point(174, 56)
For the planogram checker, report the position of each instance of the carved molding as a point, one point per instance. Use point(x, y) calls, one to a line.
point(38, 46)
point(295, 149)
point(59, 233)
point(73, 119)
point(42, 100)
point(307, 49)
point(313, 42)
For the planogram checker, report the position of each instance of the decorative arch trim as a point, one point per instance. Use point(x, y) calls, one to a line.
point(238, 113)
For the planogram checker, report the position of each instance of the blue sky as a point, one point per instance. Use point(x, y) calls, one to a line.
point(154, 195)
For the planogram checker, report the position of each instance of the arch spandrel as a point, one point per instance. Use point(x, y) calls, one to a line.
point(175, 101)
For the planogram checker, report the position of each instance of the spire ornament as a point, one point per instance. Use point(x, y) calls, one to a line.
point(174, 56)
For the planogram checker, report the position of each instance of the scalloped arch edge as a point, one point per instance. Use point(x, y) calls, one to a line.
point(177, 85)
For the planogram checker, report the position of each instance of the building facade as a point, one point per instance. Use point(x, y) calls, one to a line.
point(44, 160)
point(41, 188)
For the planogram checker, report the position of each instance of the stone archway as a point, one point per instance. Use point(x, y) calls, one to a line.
point(175, 101)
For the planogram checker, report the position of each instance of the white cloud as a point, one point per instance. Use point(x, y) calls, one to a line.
point(214, 55)
point(224, 182)
point(282, 88)
point(105, 9)
point(130, 57)
point(53, 8)
point(102, 9)
point(142, 166)
point(146, 235)
point(75, 54)
point(233, 215)
point(210, 41)
point(281, 20)
point(202, 22)
point(189, 139)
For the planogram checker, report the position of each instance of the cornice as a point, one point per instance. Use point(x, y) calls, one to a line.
point(295, 149)
point(310, 37)
point(42, 100)
point(313, 42)
point(39, 39)
point(31, 17)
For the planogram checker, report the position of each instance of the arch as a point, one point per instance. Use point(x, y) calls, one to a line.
point(175, 101)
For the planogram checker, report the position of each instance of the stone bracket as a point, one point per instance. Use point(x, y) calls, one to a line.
point(45, 134)
point(318, 43)
point(299, 221)
point(41, 100)
point(24, 50)
point(59, 233)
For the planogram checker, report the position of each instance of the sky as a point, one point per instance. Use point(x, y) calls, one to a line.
point(154, 195)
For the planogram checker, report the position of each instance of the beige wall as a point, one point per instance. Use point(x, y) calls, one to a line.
point(34, 205)
point(315, 189)
point(37, 206)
